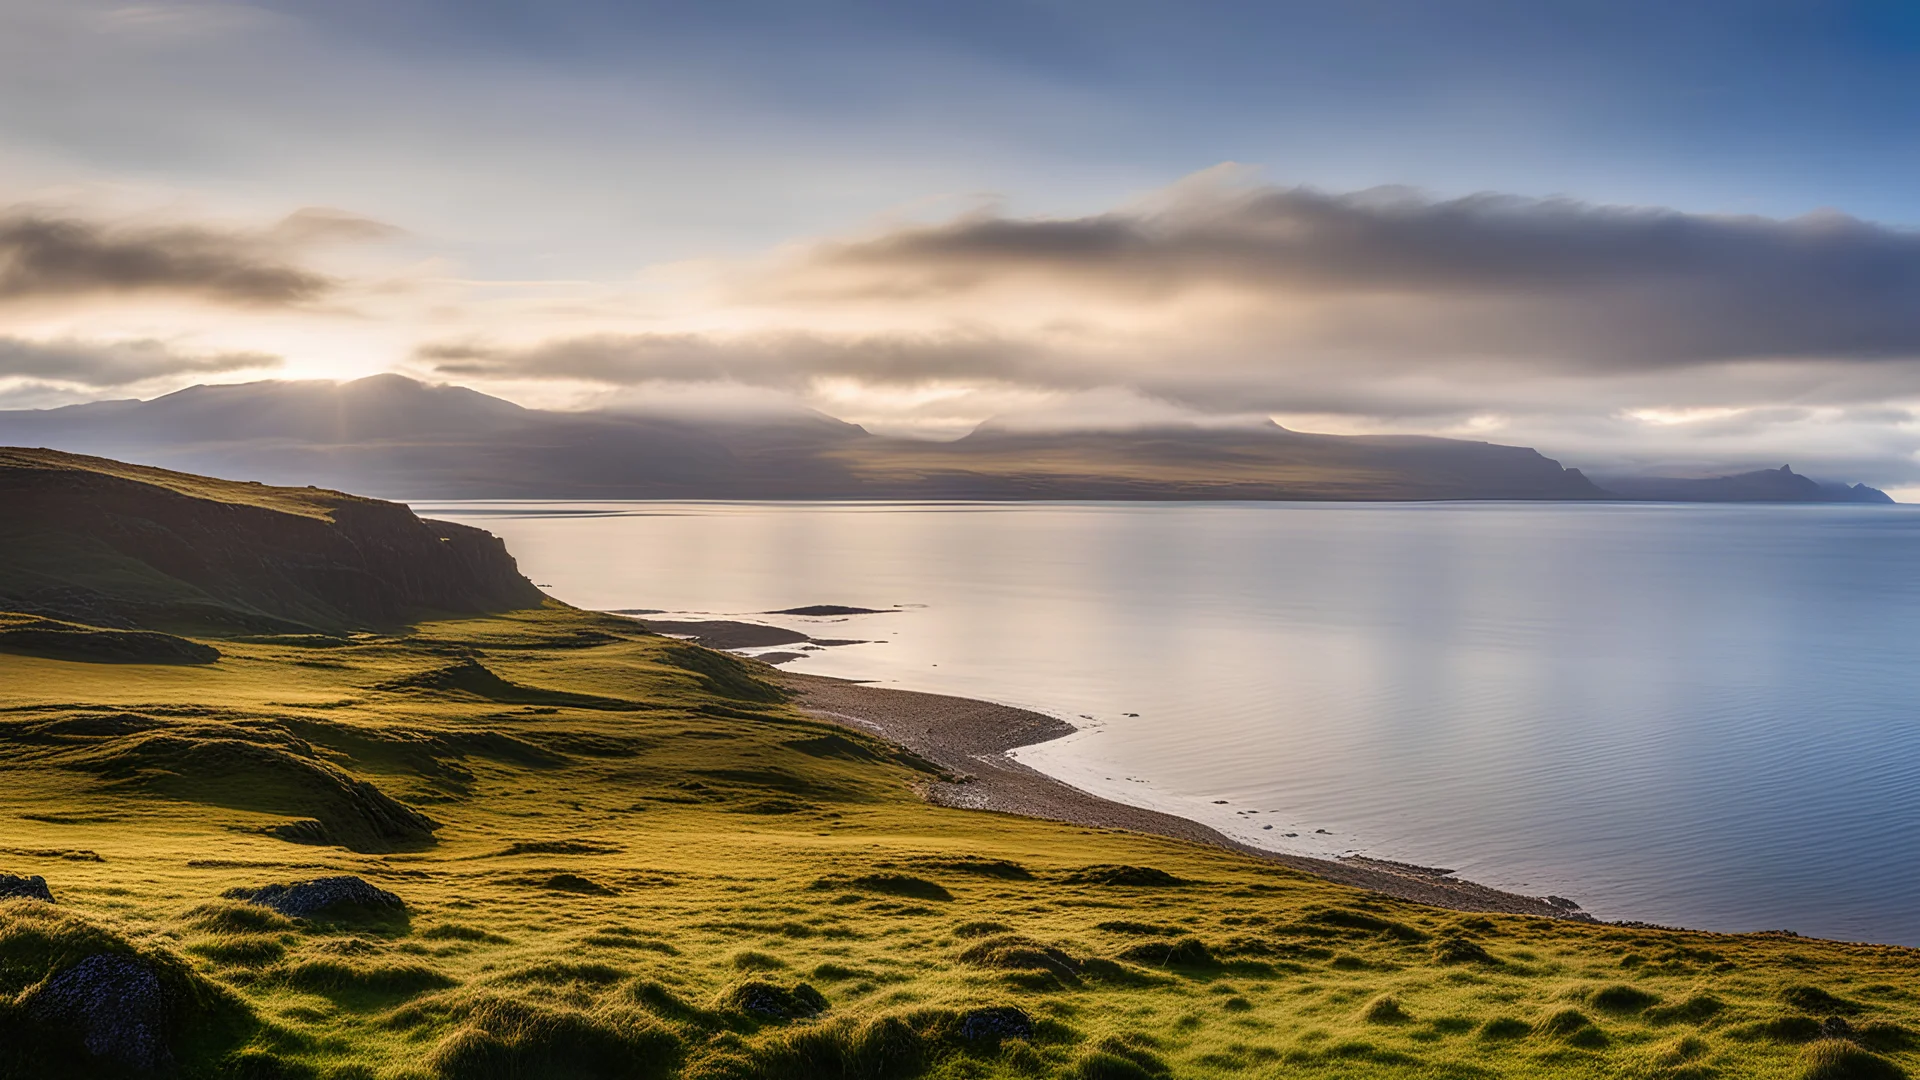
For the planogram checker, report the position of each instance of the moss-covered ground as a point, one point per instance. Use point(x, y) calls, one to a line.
point(623, 856)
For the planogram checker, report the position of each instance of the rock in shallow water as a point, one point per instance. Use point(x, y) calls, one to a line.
point(304, 899)
point(115, 1004)
point(34, 888)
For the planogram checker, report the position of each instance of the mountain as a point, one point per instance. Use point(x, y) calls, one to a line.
point(393, 437)
point(1266, 462)
point(1761, 485)
point(108, 544)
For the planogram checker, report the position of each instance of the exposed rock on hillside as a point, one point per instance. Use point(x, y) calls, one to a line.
point(116, 1005)
point(320, 896)
point(1762, 485)
point(33, 888)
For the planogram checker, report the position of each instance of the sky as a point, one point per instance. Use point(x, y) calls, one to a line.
point(1638, 236)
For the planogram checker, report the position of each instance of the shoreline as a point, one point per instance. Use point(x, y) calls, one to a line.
point(971, 739)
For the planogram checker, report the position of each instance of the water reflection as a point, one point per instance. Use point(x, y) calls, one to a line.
point(1700, 715)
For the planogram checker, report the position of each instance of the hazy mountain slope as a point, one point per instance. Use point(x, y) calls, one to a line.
point(1762, 485)
point(393, 437)
point(1258, 463)
point(109, 544)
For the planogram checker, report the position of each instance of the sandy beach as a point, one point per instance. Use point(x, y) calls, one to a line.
point(971, 739)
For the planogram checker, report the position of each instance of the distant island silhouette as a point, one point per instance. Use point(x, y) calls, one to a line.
point(395, 437)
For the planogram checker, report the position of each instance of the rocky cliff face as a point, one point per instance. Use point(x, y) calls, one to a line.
point(1761, 485)
point(108, 544)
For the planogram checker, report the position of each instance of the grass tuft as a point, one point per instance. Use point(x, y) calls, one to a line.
point(1623, 999)
point(1838, 1059)
point(981, 928)
point(907, 885)
point(1139, 877)
point(1385, 1009)
point(1455, 949)
point(506, 1039)
point(451, 931)
point(1812, 999)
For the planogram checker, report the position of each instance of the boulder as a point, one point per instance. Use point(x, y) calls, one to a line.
point(997, 1022)
point(770, 1002)
point(115, 1004)
point(34, 888)
point(305, 899)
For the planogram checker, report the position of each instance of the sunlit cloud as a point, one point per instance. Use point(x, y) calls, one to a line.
point(1669, 417)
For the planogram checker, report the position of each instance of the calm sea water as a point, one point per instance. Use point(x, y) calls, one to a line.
point(1707, 716)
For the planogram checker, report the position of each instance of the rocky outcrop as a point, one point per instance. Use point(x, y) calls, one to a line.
point(33, 888)
point(997, 1022)
point(115, 1005)
point(1761, 485)
point(114, 545)
point(768, 1001)
point(323, 896)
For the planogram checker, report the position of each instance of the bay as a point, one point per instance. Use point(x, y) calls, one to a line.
point(1705, 716)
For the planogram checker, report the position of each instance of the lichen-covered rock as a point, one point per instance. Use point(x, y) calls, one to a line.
point(34, 888)
point(117, 1007)
point(305, 899)
point(770, 1002)
point(998, 1022)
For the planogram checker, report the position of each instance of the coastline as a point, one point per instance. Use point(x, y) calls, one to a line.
point(971, 739)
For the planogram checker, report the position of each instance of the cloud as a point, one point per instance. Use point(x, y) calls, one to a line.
point(99, 365)
point(1579, 328)
point(43, 255)
point(1385, 271)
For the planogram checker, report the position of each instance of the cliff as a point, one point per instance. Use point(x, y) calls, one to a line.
point(1761, 485)
point(109, 544)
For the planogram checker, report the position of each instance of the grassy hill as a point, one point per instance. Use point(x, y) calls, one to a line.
point(110, 544)
point(620, 855)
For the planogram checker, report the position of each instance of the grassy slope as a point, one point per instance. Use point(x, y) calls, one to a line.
point(92, 540)
point(611, 860)
point(302, 502)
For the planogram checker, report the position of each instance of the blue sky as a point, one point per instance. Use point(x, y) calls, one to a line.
point(602, 171)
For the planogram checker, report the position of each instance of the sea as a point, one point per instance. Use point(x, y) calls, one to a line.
point(1696, 715)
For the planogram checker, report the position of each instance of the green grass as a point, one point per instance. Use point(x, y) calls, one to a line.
point(636, 860)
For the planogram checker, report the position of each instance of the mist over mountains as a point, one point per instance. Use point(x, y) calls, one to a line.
point(393, 437)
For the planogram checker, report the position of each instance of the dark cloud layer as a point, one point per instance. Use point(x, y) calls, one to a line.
point(104, 365)
point(44, 256)
point(1553, 322)
point(1489, 274)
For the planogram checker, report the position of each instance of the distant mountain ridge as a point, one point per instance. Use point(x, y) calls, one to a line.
point(1761, 485)
point(394, 437)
